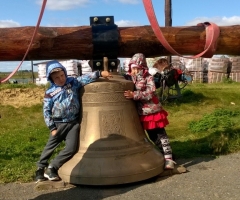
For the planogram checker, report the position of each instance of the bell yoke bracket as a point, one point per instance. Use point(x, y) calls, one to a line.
point(105, 37)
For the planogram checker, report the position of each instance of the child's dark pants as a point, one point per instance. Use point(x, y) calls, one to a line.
point(68, 132)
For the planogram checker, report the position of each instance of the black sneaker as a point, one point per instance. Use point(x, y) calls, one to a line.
point(51, 174)
point(40, 175)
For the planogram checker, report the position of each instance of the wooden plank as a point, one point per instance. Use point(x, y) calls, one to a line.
point(76, 42)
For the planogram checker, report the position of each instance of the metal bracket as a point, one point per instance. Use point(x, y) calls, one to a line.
point(105, 37)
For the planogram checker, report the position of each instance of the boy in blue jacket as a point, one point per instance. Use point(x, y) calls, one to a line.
point(61, 114)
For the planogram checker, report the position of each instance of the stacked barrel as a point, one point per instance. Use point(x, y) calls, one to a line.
point(175, 59)
point(71, 67)
point(42, 79)
point(235, 68)
point(197, 68)
point(85, 67)
point(218, 69)
point(125, 64)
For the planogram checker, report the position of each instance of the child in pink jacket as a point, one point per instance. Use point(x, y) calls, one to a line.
point(152, 115)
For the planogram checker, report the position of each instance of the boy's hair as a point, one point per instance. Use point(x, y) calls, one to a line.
point(56, 70)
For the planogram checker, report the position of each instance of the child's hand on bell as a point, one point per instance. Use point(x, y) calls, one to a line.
point(128, 94)
point(106, 74)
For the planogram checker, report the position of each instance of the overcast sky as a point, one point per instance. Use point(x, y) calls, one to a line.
point(16, 13)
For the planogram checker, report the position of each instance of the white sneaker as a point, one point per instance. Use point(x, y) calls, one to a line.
point(169, 164)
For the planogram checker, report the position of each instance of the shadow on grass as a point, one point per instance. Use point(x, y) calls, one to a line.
point(188, 96)
point(215, 144)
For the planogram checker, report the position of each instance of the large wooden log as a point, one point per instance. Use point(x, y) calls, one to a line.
point(76, 42)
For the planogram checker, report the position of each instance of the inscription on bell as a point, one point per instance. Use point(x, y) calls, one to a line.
point(112, 122)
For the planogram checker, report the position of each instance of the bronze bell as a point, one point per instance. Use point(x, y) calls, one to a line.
point(112, 148)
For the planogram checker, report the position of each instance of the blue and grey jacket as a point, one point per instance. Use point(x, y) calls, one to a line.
point(61, 103)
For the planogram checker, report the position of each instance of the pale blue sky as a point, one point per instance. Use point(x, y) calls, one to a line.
point(15, 13)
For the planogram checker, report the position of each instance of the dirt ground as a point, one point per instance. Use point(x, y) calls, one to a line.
point(18, 97)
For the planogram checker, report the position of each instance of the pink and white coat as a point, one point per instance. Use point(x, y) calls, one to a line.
point(145, 94)
point(145, 90)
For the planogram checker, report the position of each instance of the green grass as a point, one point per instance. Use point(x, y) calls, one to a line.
point(11, 86)
point(204, 122)
point(22, 134)
point(19, 74)
point(27, 85)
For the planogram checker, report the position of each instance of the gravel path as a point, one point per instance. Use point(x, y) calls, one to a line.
point(207, 178)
